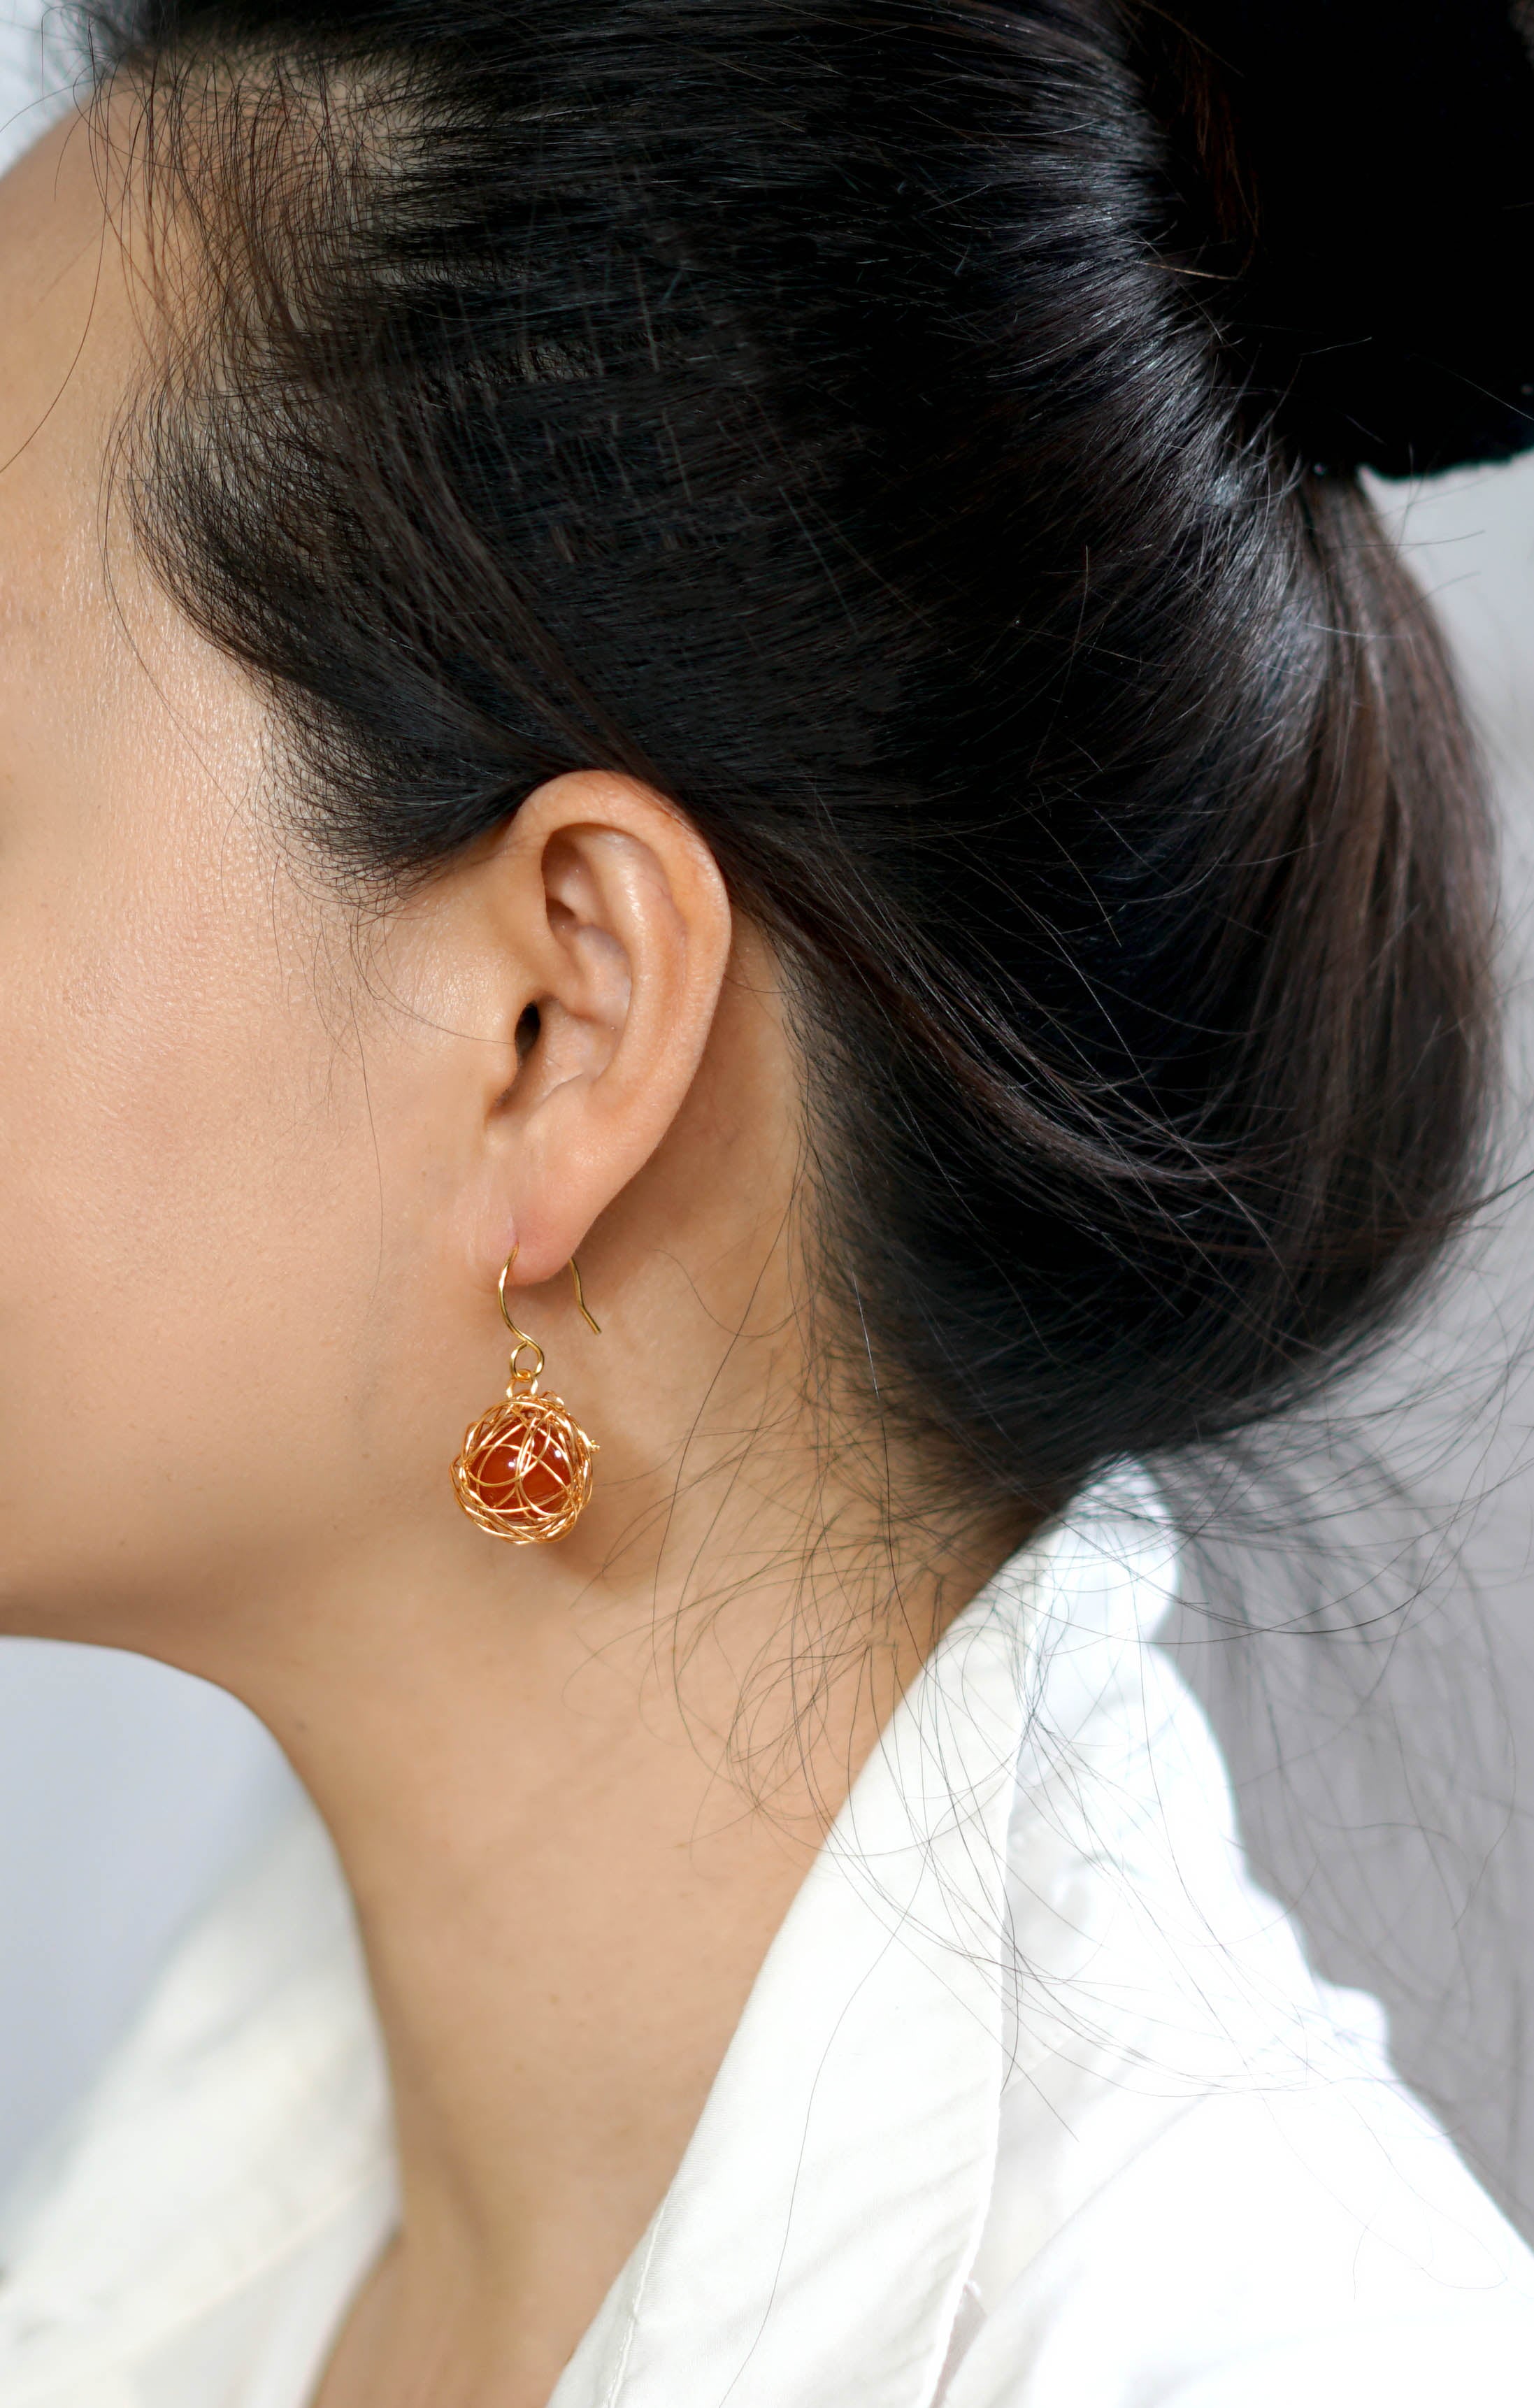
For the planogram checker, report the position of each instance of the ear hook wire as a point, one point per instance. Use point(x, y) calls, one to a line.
point(521, 1335)
point(586, 1313)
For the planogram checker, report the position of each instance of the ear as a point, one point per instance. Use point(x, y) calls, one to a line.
point(608, 931)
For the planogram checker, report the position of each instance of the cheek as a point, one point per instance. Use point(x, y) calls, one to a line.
point(188, 1209)
point(190, 1198)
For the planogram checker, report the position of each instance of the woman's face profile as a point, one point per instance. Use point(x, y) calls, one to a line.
point(193, 1153)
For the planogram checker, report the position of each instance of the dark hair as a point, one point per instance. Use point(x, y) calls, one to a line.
point(814, 409)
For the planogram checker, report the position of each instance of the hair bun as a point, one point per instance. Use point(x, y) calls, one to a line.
point(1371, 168)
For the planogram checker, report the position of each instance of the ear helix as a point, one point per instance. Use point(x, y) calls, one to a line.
point(524, 1471)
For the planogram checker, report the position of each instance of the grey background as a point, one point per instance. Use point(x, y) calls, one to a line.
point(1367, 1658)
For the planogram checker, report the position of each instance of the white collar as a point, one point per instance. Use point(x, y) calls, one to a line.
point(863, 2086)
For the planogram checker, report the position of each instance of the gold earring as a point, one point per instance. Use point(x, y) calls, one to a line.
point(523, 1470)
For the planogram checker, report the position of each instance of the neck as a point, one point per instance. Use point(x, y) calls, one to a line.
point(573, 1811)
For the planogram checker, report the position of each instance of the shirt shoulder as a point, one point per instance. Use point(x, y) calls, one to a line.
point(1209, 2177)
point(1322, 2243)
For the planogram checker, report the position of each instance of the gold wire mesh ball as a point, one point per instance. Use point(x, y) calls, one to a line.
point(523, 1472)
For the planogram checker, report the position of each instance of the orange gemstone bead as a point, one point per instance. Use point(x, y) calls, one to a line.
point(524, 1470)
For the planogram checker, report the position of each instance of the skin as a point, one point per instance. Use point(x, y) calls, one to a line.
point(259, 1169)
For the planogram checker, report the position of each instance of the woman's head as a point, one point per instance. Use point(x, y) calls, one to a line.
point(779, 461)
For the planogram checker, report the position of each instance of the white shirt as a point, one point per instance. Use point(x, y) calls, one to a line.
point(1035, 2104)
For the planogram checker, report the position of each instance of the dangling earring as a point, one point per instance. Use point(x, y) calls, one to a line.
point(524, 1471)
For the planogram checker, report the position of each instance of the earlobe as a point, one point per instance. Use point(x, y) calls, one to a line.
point(620, 927)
